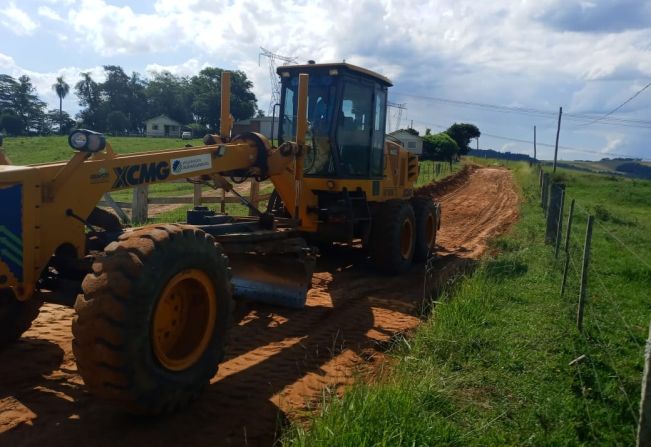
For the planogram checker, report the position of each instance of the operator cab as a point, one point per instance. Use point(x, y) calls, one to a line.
point(346, 119)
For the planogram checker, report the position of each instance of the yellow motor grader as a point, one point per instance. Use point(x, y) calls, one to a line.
point(153, 303)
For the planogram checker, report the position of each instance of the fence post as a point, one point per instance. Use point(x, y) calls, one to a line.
point(644, 429)
point(139, 209)
point(567, 246)
point(196, 198)
point(559, 224)
point(222, 204)
point(544, 193)
point(584, 273)
point(553, 211)
point(253, 195)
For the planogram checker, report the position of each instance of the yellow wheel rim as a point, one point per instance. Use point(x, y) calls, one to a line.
point(406, 239)
point(430, 232)
point(184, 320)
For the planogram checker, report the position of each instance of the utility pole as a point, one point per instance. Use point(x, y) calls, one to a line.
point(534, 143)
point(558, 131)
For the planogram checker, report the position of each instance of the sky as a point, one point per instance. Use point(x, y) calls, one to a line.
point(450, 60)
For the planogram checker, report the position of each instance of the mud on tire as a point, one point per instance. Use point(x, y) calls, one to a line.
point(16, 316)
point(427, 221)
point(113, 330)
point(391, 249)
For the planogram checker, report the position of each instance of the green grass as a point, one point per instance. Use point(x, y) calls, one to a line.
point(490, 366)
point(30, 150)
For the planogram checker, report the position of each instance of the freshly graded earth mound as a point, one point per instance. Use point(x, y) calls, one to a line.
point(279, 361)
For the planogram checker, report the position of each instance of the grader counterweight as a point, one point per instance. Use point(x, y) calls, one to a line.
point(153, 303)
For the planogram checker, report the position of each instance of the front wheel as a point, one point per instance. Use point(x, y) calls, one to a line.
point(152, 322)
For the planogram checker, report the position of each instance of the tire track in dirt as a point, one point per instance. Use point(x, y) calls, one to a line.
point(279, 361)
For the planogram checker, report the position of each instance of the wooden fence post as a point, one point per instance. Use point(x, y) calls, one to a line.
point(544, 193)
point(644, 429)
point(553, 211)
point(222, 204)
point(567, 247)
point(253, 195)
point(584, 273)
point(196, 198)
point(559, 224)
point(139, 209)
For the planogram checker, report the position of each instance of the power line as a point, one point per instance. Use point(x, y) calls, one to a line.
point(519, 140)
point(619, 106)
point(615, 121)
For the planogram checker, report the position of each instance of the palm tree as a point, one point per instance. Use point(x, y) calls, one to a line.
point(61, 88)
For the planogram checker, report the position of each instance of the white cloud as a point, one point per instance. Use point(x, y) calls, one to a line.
point(539, 54)
point(43, 81)
point(17, 20)
point(49, 13)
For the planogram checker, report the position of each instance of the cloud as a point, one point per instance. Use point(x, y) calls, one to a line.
point(17, 20)
point(43, 81)
point(602, 16)
point(49, 13)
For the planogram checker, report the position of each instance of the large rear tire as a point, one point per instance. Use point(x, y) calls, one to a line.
point(426, 214)
point(16, 316)
point(393, 237)
point(151, 325)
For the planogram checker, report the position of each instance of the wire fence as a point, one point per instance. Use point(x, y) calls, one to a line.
point(609, 312)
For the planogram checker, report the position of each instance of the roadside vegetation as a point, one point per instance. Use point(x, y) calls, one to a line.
point(491, 363)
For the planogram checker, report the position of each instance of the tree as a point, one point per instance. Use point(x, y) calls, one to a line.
point(170, 95)
point(27, 106)
point(206, 96)
point(462, 133)
point(8, 86)
point(89, 94)
point(11, 124)
point(117, 121)
point(440, 146)
point(59, 122)
point(61, 88)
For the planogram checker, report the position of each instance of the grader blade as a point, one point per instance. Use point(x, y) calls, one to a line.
point(279, 279)
point(270, 266)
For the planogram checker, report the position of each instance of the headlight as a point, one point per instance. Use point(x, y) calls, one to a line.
point(86, 140)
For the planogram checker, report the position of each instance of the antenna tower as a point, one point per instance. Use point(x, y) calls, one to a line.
point(273, 59)
point(397, 113)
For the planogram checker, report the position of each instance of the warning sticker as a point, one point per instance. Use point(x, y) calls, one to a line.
point(190, 164)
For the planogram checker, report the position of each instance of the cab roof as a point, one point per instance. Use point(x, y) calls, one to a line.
point(343, 66)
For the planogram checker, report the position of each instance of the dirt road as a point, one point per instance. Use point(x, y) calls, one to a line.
point(279, 362)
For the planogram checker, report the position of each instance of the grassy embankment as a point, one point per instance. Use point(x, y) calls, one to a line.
point(490, 366)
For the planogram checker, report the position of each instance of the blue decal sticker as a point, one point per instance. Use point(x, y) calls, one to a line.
point(11, 229)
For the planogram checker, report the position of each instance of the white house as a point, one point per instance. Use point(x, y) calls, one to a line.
point(260, 125)
point(413, 143)
point(162, 126)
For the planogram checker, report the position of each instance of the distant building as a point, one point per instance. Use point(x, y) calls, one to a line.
point(413, 143)
point(260, 125)
point(162, 126)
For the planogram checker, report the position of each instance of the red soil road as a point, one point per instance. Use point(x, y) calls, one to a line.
point(279, 361)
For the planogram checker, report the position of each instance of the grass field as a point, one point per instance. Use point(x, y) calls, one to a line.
point(490, 365)
point(30, 150)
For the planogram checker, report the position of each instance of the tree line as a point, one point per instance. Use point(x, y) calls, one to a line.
point(447, 145)
point(122, 102)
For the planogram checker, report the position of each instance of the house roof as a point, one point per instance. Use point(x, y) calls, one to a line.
point(162, 116)
point(404, 132)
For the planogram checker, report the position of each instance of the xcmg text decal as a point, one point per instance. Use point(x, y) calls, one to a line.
point(139, 174)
